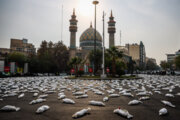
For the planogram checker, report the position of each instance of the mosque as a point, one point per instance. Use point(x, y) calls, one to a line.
point(87, 41)
point(87, 38)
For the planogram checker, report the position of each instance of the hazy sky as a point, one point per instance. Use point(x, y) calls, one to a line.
point(155, 22)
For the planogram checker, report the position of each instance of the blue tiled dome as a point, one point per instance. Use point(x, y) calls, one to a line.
point(87, 39)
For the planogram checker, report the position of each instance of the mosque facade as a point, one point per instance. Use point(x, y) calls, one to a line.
point(87, 38)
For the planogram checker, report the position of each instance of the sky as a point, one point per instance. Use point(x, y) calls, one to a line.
point(154, 22)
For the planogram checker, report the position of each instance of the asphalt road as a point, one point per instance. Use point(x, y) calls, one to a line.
point(149, 110)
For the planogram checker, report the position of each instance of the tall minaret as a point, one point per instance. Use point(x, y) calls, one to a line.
point(111, 30)
point(73, 30)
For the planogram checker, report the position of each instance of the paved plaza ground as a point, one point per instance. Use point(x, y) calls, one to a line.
point(148, 110)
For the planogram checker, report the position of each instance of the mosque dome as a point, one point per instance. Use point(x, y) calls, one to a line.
point(87, 39)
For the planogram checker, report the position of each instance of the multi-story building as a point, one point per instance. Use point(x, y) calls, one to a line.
point(133, 51)
point(22, 46)
point(137, 52)
point(123, 49)
point(142, 53)
point(171, 57)
point(4, 51)
point(177, 53)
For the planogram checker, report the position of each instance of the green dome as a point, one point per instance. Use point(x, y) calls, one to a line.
point(87, 39)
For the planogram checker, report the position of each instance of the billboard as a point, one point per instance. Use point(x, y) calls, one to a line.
point(1, 66)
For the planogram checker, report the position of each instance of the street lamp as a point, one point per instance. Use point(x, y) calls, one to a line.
point(95, 2)
point(103, 75)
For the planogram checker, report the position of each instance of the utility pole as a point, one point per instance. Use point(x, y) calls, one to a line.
point(103, 47)
point(120, 37)
point(95, 2)
point(62, 24)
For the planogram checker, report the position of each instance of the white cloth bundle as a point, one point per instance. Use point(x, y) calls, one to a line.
point(81, 113)
point(35, 94)
point(10, 108)
point(114, 95)
point(123, 113)
point(163, 111)
point(159, 92)
point(21, 95)
point(105, 99)
point(82, 96)
point(39, 100)
point(42, 109)
point(78, 93)
point(61, 93)
point(167, 103)
point(43, 96)
point(134, 102)
point(169, 95)
point(127, 94)
point(99, 93)
point(144, 98)
point(96, 103)
point(68, 101)
point(143, 93)
point(61, 96)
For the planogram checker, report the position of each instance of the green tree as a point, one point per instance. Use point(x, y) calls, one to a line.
point(121, 66)
point(177, 62)
point(75, 63)
point(151, 65)
point(164, 65)
point(18, 57)
point(114, 55)
point(61, 56)
point(43, 48)
point(97, 59)
point(34, 66)
point(45, 57)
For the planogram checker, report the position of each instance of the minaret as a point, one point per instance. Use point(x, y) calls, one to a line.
point(111, 30)
point(73, 30)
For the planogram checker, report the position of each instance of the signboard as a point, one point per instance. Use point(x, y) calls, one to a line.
point(107, 70)
point(72, 71)
point(6, 69)
point(90, 70)
point(81, 69)
point(1, 66)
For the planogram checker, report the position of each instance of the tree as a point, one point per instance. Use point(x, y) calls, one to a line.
point(164, 65)
point(75, 63)
point(177, 62)
point(151, 65)
point(98, 59)
point(131, 66)
point(45, 58)
point(114, 54)
point(34, 66)
point(52, 57)
point(18, 57)
point(43, 48)
point(61, 56)
point(120, 67)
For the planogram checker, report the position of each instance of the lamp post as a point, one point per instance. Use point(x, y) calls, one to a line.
point(103, 47)
point(95, 2)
